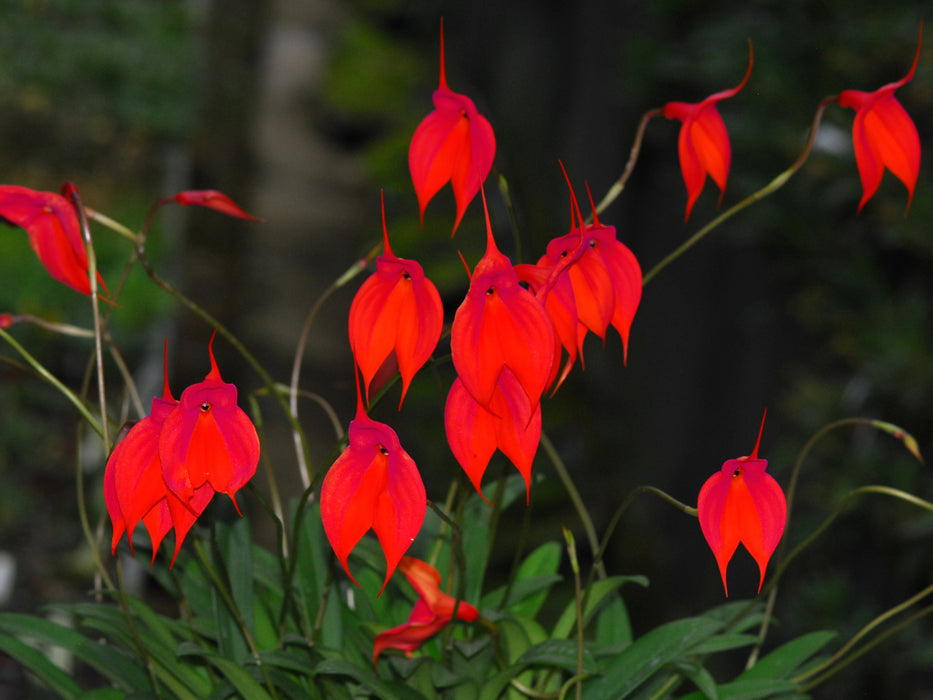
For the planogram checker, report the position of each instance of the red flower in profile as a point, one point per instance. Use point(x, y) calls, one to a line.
point(884, 135)
point(373, 484)
point(54, 232)
point(703, 144)
point(208, 439)
point(212, 199)
point(510, 424)
point(500, 324)
point(453, 143)
point(433, 610)
point(397, 310)
point(134, 488)
point(741, 503)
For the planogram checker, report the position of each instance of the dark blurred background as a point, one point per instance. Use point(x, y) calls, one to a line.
point(303, 110)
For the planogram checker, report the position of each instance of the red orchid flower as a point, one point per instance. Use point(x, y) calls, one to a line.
point(453, 143)
point(433, 610)
point(397, 310)
point(510, 424)
point(212, 199)
point(703, 144)
point(373, 484)
point(741, 503)
point(884, 135)
point(500, 324)
point(54, 233)
point(604, 275)
point(208, 439)
point(134, 488)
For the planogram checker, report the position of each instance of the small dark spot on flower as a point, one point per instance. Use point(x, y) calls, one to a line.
point(490, 291)
point(406, 275)
point(592, 243)
point(383, 450)
point(737, 472)
point(205, 407)
point(563, 253)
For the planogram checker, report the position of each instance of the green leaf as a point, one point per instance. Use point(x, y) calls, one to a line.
point(786, 659)
point(613, 625)
point(559, 653)
point(598, 594)
point(648, 655)
point(749, 690)
point(238, 677)
point(526, 594)
point(237, 547)
point(724, 642)
point(385, 691)
point(543, 563)
point(700, 677)
point(40, 666)
point(124, 671)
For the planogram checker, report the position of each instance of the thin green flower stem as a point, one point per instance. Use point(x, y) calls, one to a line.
point(791, 492)
point(114, 226)
point(235, 611)
point(619, 184)
point(848, 646)
point(53, 380)
point(92, 541)
point(768, 189)
point(325, 406)
point(118, 360)
point(277, 511)
point(288, 602)
point(459, 560)
point(510, 208)
point(578, 602)
point(613, 523)
point(305, 470)
point(571, 682)
point(531, 692)
point(134, 632)
point(60, 328)
point(564, 475)
point(439, 540)
point(669, 685)
point(95, 308)
point(868, 646)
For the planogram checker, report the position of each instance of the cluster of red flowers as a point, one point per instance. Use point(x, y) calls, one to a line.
point(170, 464)
point(508, 338)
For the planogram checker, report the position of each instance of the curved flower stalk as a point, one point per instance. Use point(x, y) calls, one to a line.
point(396, 312)
point(884, 135)
point(374, 484)
point(741, 503)
point(54, 232)
point(703, 143)
point(433, 611)
point(453, 143)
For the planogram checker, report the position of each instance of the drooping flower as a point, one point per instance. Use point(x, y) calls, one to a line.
point(54, 232)
point(433, 610)
point(134, 488)
point(604, 276)
point(510, 424)
point(397, 310)
point(500, 324)
point(212, 199)
point(703, 143)
point(741, 503)
point(884, 135)
point(208, 439)
point(373, 484)
point(453, 143)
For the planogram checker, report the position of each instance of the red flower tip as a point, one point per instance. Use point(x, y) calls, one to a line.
point(884, 135)
point(703, 143)
point(397, 311)
point(455, 144)
point(741, 503)
point(510, 424)
point(500, 324)
point(212, 199)
point(373, 484)
point(208, 439)
point(54, 232)
point(433, 610)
